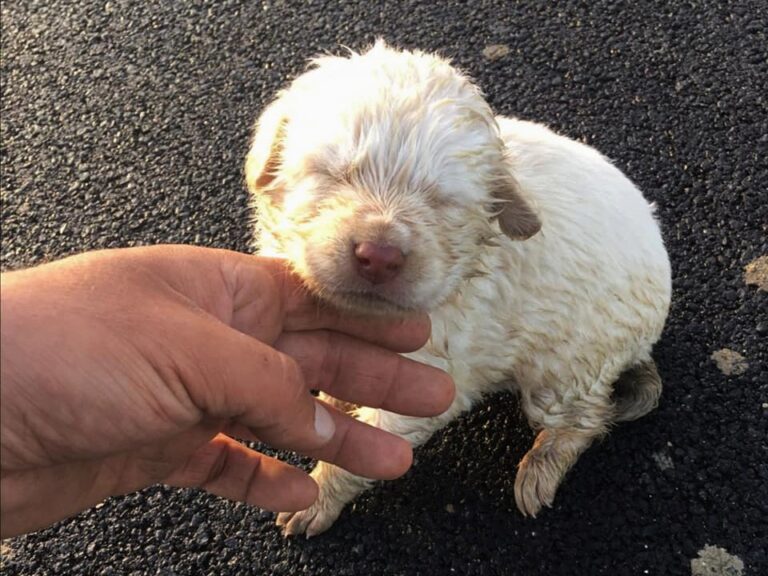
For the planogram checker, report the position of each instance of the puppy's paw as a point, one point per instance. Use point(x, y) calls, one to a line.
point(313, 521)
point(536, 482)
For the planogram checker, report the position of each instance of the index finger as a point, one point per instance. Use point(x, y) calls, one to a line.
point(303, 311)
point(368, 375)
point(262, 297)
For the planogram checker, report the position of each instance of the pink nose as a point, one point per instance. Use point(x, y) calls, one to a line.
point(378, 264)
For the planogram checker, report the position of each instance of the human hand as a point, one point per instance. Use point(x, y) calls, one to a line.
point(125, 368)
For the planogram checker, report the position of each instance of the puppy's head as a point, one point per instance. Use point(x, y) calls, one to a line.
point(381, 177)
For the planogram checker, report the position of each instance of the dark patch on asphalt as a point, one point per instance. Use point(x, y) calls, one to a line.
point(126, 123)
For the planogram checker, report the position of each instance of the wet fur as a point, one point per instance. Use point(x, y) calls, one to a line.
point(540, 263)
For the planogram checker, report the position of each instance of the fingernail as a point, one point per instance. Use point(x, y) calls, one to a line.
point(324, 424)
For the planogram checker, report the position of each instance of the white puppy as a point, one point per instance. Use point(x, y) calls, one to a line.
point(388, 183)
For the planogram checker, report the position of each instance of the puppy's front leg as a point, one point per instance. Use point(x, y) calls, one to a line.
point(339, 487)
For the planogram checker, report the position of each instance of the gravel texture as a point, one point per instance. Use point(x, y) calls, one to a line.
point(125, 122)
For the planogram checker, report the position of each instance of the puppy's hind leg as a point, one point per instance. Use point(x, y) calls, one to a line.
point(637, 391)
point(567, 428)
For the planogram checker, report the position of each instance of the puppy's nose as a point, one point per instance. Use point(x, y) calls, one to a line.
point(378, 264)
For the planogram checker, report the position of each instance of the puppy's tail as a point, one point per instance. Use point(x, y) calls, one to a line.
point(637, 391)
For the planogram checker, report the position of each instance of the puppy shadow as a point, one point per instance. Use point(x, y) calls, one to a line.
point(468, 466)
point(465, 476)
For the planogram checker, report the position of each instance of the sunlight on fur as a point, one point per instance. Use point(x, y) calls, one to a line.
point(387, 181)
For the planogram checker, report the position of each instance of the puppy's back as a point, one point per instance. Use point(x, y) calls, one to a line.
point(582, 198)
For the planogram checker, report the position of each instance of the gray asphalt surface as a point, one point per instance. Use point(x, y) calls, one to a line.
point(125, 123)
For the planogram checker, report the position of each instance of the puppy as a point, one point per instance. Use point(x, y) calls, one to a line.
point(388, 183)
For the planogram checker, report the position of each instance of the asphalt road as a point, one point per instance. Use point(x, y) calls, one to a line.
point(125, 122)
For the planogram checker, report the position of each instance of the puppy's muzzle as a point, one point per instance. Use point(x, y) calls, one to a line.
point(377, 263)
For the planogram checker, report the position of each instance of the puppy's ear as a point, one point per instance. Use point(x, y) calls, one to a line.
point(263, 161)
point(517, 218)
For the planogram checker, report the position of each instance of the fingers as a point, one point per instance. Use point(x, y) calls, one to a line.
point(355, 446)
point(227, 468)
point(267, 298)
point(256, 278)
point(230, 375)
point(364, 450)
point(404, 334)
point(260, 296)
point(240, 432)
point(233, 377)
point(358, 372)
